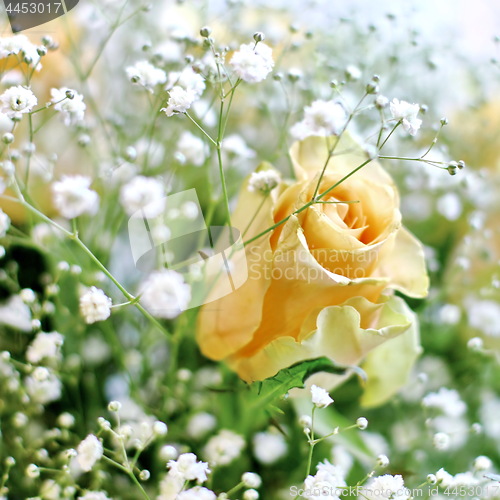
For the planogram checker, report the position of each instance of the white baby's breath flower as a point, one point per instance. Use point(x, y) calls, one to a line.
point(197, 493)
point(264, 181)
point(191, 149)
point(328, 481)
point(73, 196)
point(224, 447)
point(95, 305)
point(165, 294)
point(269, 447)
point(235, 144)
point(251, 480)
point(188, 468)
point(252, 63)
point(251, 495)
point(482, 463)
point(145, 74)
point(20, 45)
point(180, 100)
point(16, 100)
point(441, 441)
point(94, 495)
point(45, 346)
point(72, 109)
point(320, 398)
point(145, 194)
point(407, 114)
point(483, 315)
point(4, 223)
point(43, 391)
point(200, 424)
point(321, 118)
point(362, 423)
point(384, 487)
point(446, 400)
point(89, 451)
point(188, 80)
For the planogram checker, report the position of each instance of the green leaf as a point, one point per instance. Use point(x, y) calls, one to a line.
point(273, 388)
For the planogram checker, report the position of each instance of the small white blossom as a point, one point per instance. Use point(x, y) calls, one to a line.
point(224, 447)
point(73, 109)
point(180, 100)
point(165, 294)
point(17, 44)
point(444, 479)
point(327, 482)
point(483, 315)
point(251, 480)
point(197, 493)
point(482, 463)
point(95, 305)
point(362, 423)
point(269, 447)
point(353, 72)
point(263, 181)
point(16, 100)
point(73, 197)
point(4, 223)
point(188, 80)
point(188, 468)
point(45, 346)
point(384, 487)
point(381, 101)
point(320, 398)
point(145, 74)
point(252, 63)
point(89, 451)
point(251, 495)
point(321, 118)
point(383, 461)
point(407, 114)
point(200, 424)
point(43, 391)
point(191, 149)
point(94, 495)
point(145, 194)
point(441, 441)
point(446, 400)
point(235, 144)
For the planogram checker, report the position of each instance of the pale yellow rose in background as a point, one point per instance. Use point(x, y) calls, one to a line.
point(322, 283)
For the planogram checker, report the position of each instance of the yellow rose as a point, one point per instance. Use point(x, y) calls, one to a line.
point(321, 283)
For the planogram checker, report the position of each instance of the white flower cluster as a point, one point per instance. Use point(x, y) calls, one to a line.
point(264, 181)
point(95, 305)
point(144, 194)
point(447, 401)
point(252, 62)
point(185, 468)
point(73, 196)
point(224, 447)
point(89, 451)
point(45, 346)
point(165, 294)
point(17, 100)
point(20, 45)
point(69, 103)
point(386, 486)
point(320, 398)
point(326, 483)
point(180, 100)
point(321, 118)
point(143, 73)
point(406, 113)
